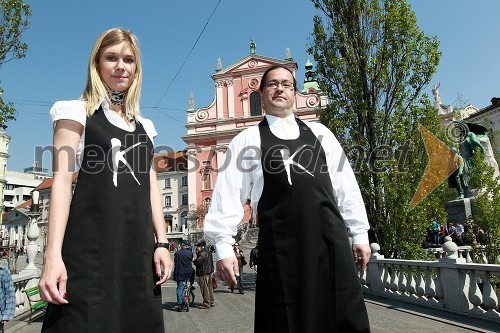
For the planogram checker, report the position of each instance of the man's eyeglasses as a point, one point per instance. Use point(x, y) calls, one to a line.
point(287, 85)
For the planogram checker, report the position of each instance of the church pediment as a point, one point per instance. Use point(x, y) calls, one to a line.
point(251, 63)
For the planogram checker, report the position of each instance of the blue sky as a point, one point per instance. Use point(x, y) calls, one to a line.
point(62, 33)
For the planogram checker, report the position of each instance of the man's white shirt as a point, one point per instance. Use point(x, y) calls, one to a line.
point(240, 178)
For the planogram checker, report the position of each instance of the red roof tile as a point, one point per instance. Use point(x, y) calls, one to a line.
point(175, 161)
point(47, 183)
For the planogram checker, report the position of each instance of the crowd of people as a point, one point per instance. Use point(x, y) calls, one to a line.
point(202, 260)
point(465, 233)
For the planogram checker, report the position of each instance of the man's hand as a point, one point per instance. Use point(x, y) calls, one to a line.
point(227, 270)
point(361, 253)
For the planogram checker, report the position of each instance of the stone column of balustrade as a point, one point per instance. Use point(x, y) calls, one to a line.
point(453, 281)
point(430, 286)
point(420, 285)
point(475, 295)
point(490, 298)
point(402, 281)
point(375, 272)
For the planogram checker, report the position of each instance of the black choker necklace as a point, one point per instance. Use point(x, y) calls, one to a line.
point(116, 97)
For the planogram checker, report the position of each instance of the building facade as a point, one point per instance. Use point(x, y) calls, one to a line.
point(4, 156)
point(489, 117)
point(16, 221)
point(236, 106)
point(18, 188)
point(172, 179)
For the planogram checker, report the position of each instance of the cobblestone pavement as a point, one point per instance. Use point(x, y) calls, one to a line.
point(233, 312)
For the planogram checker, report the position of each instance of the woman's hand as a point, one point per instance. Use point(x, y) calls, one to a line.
point(52, 284)
point(162, 260)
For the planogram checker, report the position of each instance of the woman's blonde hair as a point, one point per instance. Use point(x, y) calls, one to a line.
point(95, 90)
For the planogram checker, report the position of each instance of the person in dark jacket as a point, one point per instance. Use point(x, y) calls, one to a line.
point(254, 256)
point(204, 269)
point(183, 270)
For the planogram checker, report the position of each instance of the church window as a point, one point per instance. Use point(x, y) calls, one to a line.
point(255, 104)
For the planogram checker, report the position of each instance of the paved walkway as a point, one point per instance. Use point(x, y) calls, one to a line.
point(234, 313)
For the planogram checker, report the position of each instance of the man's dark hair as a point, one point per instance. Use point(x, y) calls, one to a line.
point(272, 68)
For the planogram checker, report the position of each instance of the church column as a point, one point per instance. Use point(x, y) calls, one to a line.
point(193, 167)
point(230, 98)
point(245, 104)
point(220, 155)
point(219, 103)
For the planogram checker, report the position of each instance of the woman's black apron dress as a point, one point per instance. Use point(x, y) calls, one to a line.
point(307, 280)
point(109, 241)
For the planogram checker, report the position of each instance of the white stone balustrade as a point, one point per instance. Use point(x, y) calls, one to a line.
point(22, 282)
point(462, 252)
point(452, 283)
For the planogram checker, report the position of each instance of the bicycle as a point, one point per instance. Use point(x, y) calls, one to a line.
point(187, 295)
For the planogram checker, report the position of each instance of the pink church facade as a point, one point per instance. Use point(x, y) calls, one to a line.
point(236, 106)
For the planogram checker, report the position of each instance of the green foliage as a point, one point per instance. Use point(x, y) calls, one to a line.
point(13, 22)
point(7, 110)
point(487, 203)
point(374, 62)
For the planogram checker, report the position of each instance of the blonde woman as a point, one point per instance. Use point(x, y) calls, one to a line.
point(103, 269)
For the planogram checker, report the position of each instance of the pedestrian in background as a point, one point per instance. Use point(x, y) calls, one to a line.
point(7, 296)
point(204, 269)
point(254, 257)
point(240, 256)
point(183, 270)
point(103, 270)
point(303, 191)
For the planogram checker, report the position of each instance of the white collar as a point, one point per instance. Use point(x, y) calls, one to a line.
point(115, 118)
point(277, 121)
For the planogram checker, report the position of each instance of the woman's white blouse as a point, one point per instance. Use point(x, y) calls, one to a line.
point(75, 110)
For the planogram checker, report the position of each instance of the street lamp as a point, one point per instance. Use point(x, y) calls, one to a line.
point(33, 233)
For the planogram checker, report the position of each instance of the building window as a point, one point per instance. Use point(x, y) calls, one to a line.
point(206, 181)
point(184, 181)
point(206, 176)
point(184, 218)
point(168, 201)
point(168, 182)
point(184, 200)
point(255, 104)
point(206, 203)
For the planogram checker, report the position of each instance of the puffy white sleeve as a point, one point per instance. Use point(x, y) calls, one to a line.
point(232, 189)
point(345, 186)
point(71, 110)
point(149, 127)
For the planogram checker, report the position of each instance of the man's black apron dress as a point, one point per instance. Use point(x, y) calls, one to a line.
point(109, 241)
point(307, 279)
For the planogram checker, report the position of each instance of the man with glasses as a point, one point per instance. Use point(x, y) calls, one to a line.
point(304, 192)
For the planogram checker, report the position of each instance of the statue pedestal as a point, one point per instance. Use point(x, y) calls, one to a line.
point(459, 210)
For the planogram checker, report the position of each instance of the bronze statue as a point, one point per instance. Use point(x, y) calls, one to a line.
point(470, 145)
point(457, 179)
point(470, 134)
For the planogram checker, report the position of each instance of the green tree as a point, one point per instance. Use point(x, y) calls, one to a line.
point(374, 62)
point(13, 22)
point(487, 204)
